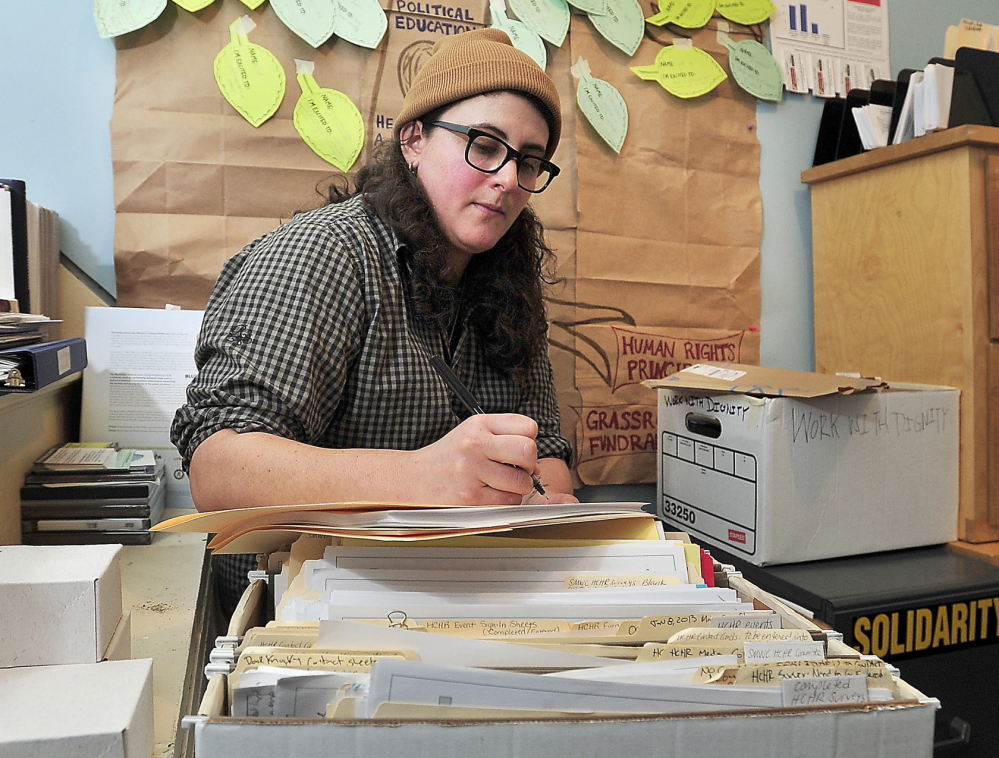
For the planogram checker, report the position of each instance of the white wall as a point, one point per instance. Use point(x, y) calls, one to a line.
point(57, 90)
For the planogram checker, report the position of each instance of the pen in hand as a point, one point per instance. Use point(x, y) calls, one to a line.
point(469, 400)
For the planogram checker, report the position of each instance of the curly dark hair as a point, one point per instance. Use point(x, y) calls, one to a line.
point(502, 289)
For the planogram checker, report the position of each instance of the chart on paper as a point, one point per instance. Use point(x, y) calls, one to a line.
point(710, 490)
point(830, 46)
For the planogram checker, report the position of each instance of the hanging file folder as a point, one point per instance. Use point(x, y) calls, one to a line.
point(29, 368)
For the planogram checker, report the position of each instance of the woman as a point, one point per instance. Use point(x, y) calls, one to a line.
point(315, 382)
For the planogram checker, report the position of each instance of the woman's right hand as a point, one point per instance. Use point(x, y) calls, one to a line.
point(486, 460)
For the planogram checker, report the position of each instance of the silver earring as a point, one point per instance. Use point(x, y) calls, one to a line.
point(412, 169)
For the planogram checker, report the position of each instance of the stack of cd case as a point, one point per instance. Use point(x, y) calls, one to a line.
point(101, 504)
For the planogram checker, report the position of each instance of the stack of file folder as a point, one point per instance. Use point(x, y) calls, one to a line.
point(83, 494)
point(586, 616)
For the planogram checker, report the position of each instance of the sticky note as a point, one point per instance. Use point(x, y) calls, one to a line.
point(116, 17)
point(249, 76)
point(523, 37)
point(360, 22)
point(755, 69)
point(328, 120)
point(194, 5)
point(693, 14)
point(622, 24)
point(312, 20)
point(686, 73)
point(253, 4)
point(549, 18)
point(746, 12)
point(602, 105)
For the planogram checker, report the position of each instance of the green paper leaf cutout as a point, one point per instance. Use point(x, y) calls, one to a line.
point(252, 4)
point(249, 76)
point(116, 17)
point(746, 12)
point(755, 70)
point(312, 20)
point(360, 22)
point(329, 122)
point(604, 108)
point(622, 24)
point(549, 18)
point(194, 5)
point(693, 14)
point(667, 10)
point(590, 7)
point(684, 72)
point(523, 37)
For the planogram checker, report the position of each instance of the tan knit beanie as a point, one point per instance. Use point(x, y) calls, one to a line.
point(474, 63)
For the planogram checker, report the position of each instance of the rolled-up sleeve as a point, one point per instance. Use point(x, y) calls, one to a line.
point(280, 330)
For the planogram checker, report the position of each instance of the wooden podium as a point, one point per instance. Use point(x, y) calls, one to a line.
point(905, 246)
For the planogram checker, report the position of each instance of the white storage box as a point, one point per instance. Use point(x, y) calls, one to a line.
point(58, 603)
point(93, 709)
point(781, 466)
point(896, 729)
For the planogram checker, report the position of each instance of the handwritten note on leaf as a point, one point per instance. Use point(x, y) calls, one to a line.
point(667, 10)
point(549, 18)
point(328, 121)
point(116, 17)
point(684, 72)
point(755, 70)
point(523, 37)
point(602, 105)
point(249, 76)
point(693, 14)
point(312, 20)
point(746, 12)
point(591, 7)
point(360, 22)
point(622, 24)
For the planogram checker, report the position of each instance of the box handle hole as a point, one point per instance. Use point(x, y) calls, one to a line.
point(706, 426)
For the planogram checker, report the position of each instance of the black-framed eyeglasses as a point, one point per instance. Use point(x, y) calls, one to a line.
point(489, 154)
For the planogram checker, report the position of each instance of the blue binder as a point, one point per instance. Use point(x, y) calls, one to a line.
point(41, 364)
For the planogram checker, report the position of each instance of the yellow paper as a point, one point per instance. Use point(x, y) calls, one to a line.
point(329, 122)
point(249, 76)
point(693, 14)
point(252, 4)
point(194, 5)
point(746, 12)
point(667, 11)
point(684, 72)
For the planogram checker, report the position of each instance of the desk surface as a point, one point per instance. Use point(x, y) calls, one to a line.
point(160, 586)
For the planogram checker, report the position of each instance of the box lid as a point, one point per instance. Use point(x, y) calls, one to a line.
point(743, 379)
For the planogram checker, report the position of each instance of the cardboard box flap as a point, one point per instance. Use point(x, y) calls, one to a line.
point(767, 382)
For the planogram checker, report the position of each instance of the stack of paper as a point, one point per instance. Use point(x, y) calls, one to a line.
point(254, 530)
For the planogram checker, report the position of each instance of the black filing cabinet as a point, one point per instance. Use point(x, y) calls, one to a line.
point(930, 612)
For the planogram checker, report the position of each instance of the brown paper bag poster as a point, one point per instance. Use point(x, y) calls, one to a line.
point(616, 416)
point(660, 240)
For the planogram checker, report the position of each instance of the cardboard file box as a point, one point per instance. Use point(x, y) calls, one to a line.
point(94, 709)
point(60, 603)
point(898, 729)
point(780, 466)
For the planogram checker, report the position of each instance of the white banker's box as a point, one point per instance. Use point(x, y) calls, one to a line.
point(58, 603)
point(781, 466)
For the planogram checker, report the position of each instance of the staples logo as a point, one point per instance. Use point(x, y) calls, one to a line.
point(734, 536)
